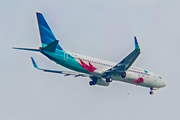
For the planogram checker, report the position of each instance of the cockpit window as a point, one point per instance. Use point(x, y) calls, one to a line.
point(160, 77)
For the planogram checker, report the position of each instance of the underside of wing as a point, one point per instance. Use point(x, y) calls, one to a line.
point(66, 73)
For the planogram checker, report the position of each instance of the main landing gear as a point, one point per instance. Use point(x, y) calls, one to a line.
point(123, 75)
point(108, 80)
point(91, 83)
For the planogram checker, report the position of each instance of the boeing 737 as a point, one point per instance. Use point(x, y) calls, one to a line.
point(100, 72)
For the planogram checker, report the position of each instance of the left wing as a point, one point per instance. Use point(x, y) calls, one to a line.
point(66, 73)
point(126, 62)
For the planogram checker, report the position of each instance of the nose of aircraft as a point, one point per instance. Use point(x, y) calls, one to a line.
point(163, 84)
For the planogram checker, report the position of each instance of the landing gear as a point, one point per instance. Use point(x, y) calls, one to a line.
point(151, 92)
point(108, 80)
point(91, 83)
point(123, 75)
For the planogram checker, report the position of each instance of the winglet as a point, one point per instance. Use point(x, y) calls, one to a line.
point(34, 64)
point(136, 43)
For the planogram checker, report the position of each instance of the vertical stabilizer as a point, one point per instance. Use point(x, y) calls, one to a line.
point(46, 34)
point(51, 47)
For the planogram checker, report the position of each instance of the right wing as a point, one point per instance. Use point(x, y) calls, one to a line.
point(66, 73)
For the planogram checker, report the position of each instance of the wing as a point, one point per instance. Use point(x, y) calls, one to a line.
point(126, 62)
point(66, 73)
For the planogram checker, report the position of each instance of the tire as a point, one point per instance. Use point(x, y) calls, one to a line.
point(151, 92)
point(91, 83)
point(123, 75)
point(108, 80)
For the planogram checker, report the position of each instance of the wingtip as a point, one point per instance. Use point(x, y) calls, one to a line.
point(34, 63)
point(136, 43)
point(38, 13)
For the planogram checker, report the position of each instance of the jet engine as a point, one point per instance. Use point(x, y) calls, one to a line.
point(98, 81)
point(131, 76)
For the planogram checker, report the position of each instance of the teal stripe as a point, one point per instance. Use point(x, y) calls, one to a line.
point(70, 63)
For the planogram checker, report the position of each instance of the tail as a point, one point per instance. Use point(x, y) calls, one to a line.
point(46, 34)
point(48, 40)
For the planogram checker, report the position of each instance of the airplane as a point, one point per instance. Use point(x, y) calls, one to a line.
point(100, 72)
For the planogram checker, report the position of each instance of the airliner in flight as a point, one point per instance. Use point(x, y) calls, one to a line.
point(100, 72)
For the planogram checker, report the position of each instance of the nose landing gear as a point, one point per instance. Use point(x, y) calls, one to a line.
point(151, 91)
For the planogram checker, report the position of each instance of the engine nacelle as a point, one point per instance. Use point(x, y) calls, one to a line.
point(102, 82)
point(131, 76)
point(99, 81)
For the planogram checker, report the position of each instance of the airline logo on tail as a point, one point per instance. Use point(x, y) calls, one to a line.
point(46, 34)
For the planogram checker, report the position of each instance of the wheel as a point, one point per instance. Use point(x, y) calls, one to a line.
point(151, 92)
point(123, 75)
point(91, 83)
point(108, 80)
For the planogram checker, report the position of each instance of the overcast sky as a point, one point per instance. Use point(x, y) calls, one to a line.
point(97, 28)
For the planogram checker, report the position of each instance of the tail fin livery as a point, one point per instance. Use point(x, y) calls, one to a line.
point(46, 34)
point(51, 47)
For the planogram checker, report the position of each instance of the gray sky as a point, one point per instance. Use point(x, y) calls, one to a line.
point(102, 29)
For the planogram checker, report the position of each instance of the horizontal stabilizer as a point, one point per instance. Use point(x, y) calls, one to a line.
point(29, 49)
point(34, 64)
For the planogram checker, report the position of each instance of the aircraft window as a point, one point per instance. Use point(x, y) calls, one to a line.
point(160, 77)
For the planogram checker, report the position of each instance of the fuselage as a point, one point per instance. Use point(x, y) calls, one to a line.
point(100, 72)
point(96, 67)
